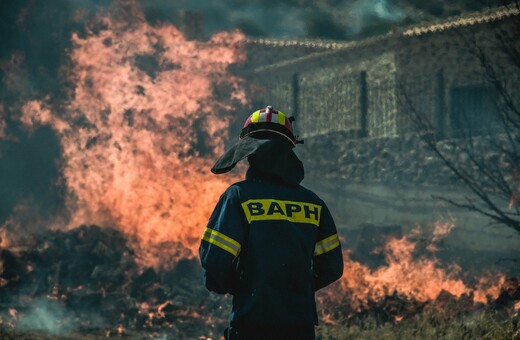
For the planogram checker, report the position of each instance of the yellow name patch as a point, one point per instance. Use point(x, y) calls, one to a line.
point(271, 209)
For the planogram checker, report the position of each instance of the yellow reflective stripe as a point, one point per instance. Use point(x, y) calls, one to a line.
point(221, 241)
point(281, 118)
point(271, 209)
point(326, 245)
point(255, 117)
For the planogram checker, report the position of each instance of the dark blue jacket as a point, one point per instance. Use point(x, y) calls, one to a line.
point(271, 246)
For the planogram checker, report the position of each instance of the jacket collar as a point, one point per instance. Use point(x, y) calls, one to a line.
point(269, 158)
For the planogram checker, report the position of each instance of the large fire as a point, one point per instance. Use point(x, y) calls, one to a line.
point(140, 113)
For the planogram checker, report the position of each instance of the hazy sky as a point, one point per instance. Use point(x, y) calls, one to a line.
point(330, 19)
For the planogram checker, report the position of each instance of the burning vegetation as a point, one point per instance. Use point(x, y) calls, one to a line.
point(93, 280)
point(140, 112)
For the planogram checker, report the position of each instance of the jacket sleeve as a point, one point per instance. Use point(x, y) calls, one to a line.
point(221, 243)
point(328, 257)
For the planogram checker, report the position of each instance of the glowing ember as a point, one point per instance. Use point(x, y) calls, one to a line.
point(441, 230)
point(13, 313)
point(4, 241)
point(120, 330)
point(327, 319)
point(142, 127)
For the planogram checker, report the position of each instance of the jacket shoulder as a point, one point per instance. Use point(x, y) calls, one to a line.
point(309, 193)
point(234, 189)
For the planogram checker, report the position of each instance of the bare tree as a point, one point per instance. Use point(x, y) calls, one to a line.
point(485, 158)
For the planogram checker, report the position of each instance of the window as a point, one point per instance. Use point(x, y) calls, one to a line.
point(472, 110)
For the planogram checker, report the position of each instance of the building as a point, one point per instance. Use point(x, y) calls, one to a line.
point(356, 104)
point(356, 88)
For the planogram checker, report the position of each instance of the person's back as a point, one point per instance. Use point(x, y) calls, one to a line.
point(270, 242)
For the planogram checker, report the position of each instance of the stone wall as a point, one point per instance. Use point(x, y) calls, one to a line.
point(400, 160)
point(390, 160)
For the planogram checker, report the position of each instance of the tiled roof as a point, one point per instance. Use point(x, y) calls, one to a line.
point(463, 21)
point(326, 47)
point(451, 23)
point(318, 44)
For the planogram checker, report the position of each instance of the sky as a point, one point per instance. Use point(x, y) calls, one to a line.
point(322, 19)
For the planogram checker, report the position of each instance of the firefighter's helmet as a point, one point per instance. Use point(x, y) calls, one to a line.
point(271, 121)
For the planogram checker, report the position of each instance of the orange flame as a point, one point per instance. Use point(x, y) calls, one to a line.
point(143, 99)
point(441, 230)
point(35, 113)
point(410, 276)
point(488, 287)
point(4, 241)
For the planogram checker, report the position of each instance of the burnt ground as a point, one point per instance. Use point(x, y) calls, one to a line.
point(87, 283)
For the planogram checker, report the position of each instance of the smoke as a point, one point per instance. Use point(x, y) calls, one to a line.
point(284, 19)
point(29, 180)
point(326, 19)
point(370, 13)
point(47, 315)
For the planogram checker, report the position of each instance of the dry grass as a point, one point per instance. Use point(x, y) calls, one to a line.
point(486, 324)
point(430, 325)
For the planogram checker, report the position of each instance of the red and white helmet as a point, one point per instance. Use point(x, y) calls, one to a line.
point(269, 120)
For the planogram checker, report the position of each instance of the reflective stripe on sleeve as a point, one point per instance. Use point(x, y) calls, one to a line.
point(326, 245)
point(221, 241)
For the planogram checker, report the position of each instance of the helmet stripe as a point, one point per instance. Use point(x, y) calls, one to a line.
point(281, 118)
point(274, 117)
point(268, 119)
point(288, 125)
point(255, 117)
point(262, 117)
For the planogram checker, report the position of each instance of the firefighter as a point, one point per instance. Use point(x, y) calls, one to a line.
point(270, 242)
